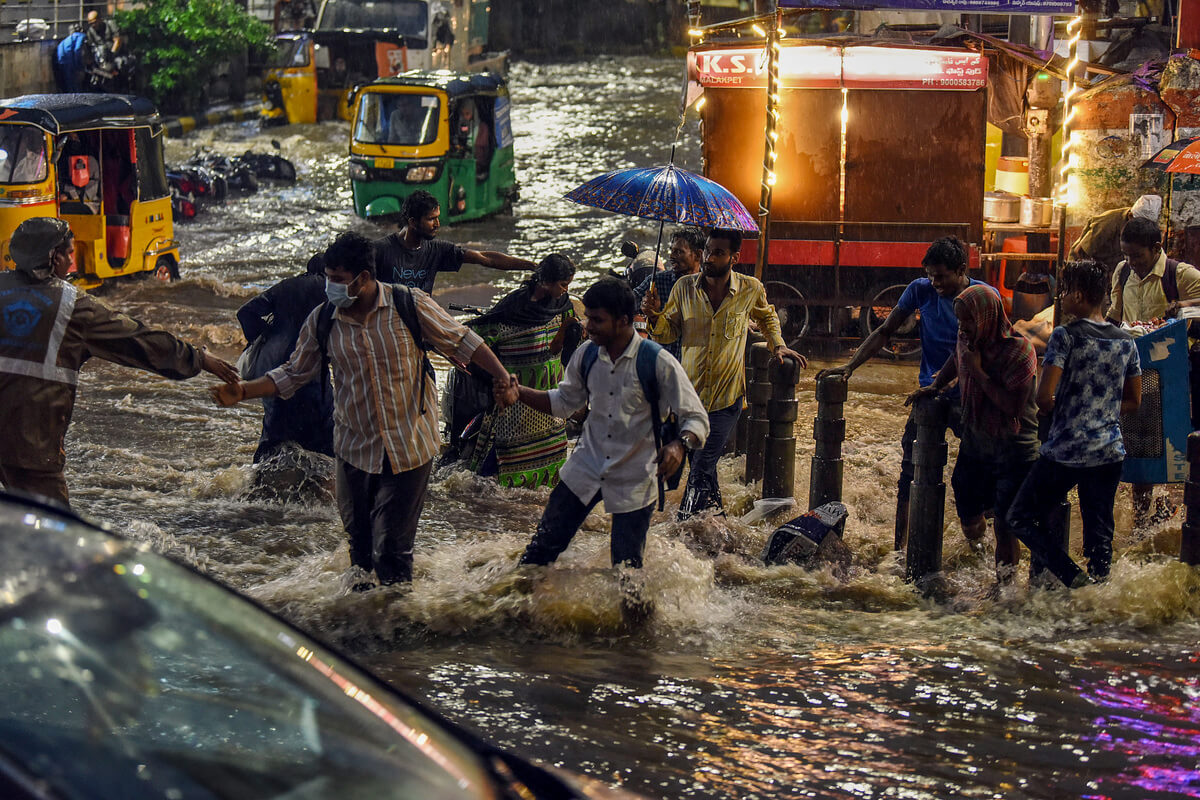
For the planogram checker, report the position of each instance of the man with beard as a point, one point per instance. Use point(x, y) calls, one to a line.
point(945, 264)
point(709, 314)
point(413, 256)
point(687, 251)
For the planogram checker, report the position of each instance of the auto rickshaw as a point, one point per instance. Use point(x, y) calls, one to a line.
point(312, 72)
point(94, 160)
point(445, 132)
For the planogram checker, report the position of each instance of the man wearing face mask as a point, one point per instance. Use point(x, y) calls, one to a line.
point(385, 433)
point(48, 329)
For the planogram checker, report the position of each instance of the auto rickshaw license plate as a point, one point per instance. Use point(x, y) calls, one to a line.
point(385, 163)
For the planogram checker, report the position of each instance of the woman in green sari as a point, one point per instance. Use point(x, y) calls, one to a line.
point(533, 331)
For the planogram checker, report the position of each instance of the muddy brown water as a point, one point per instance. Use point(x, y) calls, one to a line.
point(748, 682)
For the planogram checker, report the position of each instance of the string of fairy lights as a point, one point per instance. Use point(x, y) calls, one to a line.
point(1067, 163)
point(770, 28)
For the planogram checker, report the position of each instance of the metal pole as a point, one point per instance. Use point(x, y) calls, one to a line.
point(779, 462)
point(927, 503)
point(769, 153)
point(829, 431)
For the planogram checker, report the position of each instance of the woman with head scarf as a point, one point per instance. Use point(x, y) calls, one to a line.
point(533, 331)
point(996, 371)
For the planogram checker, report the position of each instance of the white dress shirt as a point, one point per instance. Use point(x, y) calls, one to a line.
point(615, 455)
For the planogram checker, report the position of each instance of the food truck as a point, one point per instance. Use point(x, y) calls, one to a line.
point(881, 148)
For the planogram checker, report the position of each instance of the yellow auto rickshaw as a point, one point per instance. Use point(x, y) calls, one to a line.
point(96, 161)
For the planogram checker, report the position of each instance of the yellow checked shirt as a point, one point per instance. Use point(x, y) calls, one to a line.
point(714, 343)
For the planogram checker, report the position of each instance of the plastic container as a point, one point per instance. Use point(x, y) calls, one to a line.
point(1012, 175)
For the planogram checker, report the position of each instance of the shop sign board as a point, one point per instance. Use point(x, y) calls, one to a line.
point(822, 67)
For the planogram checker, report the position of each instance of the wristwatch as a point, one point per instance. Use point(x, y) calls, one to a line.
point(688, 440)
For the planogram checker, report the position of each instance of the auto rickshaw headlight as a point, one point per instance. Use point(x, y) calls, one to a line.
point(420, 174)
point(357, 171)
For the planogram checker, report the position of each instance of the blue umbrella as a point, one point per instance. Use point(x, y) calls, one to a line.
point(667, 194)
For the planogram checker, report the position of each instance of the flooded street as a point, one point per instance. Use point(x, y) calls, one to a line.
point(749, 682)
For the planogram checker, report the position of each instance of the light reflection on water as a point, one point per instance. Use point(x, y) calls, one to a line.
point(748, 681)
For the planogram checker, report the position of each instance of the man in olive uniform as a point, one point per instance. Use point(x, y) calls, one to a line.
point(48, 329)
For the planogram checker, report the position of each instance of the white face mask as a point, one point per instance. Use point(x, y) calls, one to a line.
point(339, 294)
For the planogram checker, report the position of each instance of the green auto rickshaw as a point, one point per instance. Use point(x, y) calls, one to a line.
point(445, 132)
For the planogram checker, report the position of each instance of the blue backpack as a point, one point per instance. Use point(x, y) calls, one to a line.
point(668, 431)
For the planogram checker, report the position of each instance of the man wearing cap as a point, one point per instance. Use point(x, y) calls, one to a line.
point(1101, 236)
point(48, 329)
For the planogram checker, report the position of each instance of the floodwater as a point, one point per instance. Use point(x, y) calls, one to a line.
point(748, 682)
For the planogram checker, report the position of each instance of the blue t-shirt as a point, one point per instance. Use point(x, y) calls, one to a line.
point(939, 326)
point(1096, 359)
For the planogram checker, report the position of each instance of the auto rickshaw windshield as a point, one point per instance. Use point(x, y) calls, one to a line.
point(406, 17)
point(394, 118)
point(22, 154)
point(289, 52)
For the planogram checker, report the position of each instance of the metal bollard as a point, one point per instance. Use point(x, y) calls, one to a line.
point(829, 431)
point(779, 458)
point(927, 502)
point(1189, 543)
point(758, 392)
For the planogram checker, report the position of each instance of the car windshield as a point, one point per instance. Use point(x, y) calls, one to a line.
point(406, 17)
point(22, 154)
point(393, 118)
point(125, 675)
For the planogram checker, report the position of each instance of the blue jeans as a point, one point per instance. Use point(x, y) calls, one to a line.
point(1043, 490)
point(565, 513)
point(703, 489)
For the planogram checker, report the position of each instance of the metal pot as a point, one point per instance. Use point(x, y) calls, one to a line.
point(1001, 207)
point(1036, 212)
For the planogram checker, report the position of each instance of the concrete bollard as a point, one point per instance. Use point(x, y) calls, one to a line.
point(927, 502)
point(1189, 543)
point(779, 464)
point(758, 392)
point(829, 431)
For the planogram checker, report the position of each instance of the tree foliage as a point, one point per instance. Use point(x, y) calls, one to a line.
point(178, 42)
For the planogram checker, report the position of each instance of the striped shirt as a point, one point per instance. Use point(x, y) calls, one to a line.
point(714, 342)
point(376, 369)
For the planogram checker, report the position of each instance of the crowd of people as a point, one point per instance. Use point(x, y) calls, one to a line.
point(362, 315)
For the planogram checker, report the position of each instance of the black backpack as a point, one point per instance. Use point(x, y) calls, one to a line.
point(406, 307)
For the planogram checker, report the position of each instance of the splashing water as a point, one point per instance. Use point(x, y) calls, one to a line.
point(747, 681)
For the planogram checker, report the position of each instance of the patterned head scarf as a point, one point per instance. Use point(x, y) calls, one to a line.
point(1007, 358)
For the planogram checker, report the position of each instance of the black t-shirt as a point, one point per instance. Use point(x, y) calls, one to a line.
point(416, 269)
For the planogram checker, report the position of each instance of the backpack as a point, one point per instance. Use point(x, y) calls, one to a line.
point(406, 307)
point(1170, 284)
point(668, 431)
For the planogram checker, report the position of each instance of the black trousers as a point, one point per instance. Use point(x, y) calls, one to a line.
point(565, 513)
point(380, 514)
